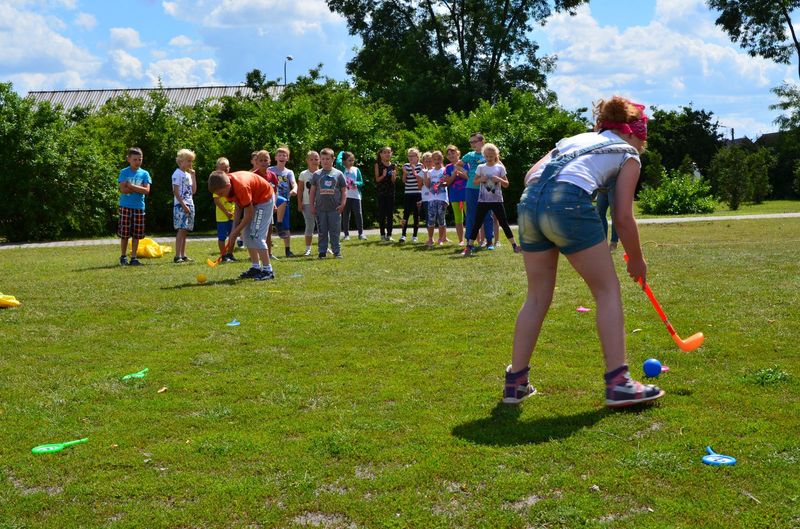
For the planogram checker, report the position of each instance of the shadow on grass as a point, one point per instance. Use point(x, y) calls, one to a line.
point(503, 427)
point(229, 281)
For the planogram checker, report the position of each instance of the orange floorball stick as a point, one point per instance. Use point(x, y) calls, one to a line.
point(213, 264)
point(689, 344)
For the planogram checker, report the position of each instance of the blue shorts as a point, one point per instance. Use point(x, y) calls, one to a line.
point(557, 215)
point(224, 229)
point(285, 224)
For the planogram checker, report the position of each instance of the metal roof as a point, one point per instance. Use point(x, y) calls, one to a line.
point(179, 96)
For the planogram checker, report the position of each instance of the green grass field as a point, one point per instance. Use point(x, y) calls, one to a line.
point(363, 393)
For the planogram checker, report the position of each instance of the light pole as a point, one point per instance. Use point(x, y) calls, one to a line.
point(288, 58)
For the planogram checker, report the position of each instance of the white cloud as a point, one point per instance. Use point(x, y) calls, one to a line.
point(125, 38)
point(125, 65)
point(181, 41)
point(85, 21)
point(310, 14)
point(668, 60)
point(183, 72)
point(33, 49)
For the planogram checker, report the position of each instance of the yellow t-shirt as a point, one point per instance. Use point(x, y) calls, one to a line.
point(229, 206)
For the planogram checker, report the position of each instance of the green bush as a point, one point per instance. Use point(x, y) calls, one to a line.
point(678, 194)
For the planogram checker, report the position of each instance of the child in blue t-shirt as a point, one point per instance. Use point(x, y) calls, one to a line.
point(134, 184)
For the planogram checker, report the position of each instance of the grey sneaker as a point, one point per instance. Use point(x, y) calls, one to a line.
point(622, 390)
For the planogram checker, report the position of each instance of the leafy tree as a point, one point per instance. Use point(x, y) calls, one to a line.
point(789, 101)
point(652, 169)
point(57, 181)
point(742, 174)
point(430, 56)
point(688, 132)
point(796, 183)
point(732, 182)
point(758, 164)
point(760, 26)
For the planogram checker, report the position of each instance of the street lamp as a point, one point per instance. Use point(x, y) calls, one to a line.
point(288, 58)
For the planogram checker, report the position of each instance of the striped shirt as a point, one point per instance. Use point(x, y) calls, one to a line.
point(411, 180)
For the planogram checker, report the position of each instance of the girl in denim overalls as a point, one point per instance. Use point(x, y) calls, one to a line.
point(556, 215)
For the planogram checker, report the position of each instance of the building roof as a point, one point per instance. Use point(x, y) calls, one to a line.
point(187, 96)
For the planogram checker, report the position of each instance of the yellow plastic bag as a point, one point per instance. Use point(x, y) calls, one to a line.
point(7, 301)
point(150, 248)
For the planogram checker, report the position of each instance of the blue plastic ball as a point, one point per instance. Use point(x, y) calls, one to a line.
point(652, 367)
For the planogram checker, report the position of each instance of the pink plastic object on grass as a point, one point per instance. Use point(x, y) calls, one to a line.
point(583, 309)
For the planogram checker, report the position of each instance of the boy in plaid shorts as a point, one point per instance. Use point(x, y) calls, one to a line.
point(134, 184)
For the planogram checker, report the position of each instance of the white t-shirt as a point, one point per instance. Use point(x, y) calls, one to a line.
point(490, 191)
point(437, 192)
point(595, 169)
point(184, 182)
point(427, 196)
point(306, 176)
point(350, 177)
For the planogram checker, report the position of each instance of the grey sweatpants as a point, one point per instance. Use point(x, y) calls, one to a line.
point(330, 223)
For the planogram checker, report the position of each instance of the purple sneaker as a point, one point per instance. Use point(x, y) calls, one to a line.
point(517, 387)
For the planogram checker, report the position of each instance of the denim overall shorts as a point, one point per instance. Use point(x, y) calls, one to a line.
point(559, 215)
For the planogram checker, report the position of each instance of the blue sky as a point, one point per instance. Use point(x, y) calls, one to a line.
point(666, 53)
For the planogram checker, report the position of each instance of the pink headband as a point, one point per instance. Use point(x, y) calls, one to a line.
point(638, 128)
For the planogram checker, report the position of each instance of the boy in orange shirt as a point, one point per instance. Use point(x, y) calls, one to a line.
point(256, 198)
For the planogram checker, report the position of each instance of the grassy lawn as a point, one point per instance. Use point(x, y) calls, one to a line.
point(364, 392)
point(771, 206)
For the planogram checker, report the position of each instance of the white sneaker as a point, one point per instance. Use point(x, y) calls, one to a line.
point(308, 252)
point(389, 239)
point(403, 238)
point(346, 238)
point(414, 239)
point(330, 251)
point(362, 237)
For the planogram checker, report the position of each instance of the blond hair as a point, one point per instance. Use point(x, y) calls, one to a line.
point(491, 147)
point(412, 150)
point(309, 154)
point(185, 154)
point(283, 148)
point(222, 160)
point(434, 154)
point(328, 151)
point(217, 180)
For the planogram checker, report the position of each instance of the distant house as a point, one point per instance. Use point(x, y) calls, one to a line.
point(769, 140)
point(187, 96)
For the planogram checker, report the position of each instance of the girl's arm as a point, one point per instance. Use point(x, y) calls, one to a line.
point(503, 179)
point(194, 181)
point(448, 179)
point(394, 175)
point(477, 180)
point(625, 222)
point(405, 174)
point(359, 179)
point(379, 175)
point(544, 159)
point(300, 194)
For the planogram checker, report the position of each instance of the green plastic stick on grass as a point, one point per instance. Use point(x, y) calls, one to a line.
point(56, 447)
point(138, 374)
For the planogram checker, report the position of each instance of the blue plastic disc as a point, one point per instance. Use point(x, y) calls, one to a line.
point(715, 459)
point(233, 323)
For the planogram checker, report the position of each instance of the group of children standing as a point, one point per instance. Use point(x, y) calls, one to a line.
point(328, 194)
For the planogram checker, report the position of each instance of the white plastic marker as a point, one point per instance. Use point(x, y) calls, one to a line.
point(233, 323)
